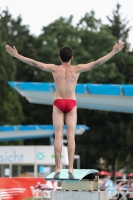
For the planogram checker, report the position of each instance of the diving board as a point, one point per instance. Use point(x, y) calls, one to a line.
point(23, 132)
point(79, 174)
point(83, 186)
point(106, 97)
point(82, 179)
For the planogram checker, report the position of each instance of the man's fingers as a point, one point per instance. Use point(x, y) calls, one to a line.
point(7, 51)
point(121, 46)
point(8, 47)
point(122, 43)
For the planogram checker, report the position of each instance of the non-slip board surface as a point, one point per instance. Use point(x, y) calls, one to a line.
point(79, 174)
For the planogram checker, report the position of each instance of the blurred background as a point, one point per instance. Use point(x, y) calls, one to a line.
point(38, 29)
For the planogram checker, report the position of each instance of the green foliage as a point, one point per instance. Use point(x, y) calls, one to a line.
point(10, 107)
point(118, 25)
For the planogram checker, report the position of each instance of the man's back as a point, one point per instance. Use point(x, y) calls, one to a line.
point(65, 78)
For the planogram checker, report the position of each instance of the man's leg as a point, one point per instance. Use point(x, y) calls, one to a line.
point(71, 120)
point(58, 122)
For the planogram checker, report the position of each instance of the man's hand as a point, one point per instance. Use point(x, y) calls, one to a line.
point(45, 67)
point(86, 67)
point(118, 47)
point(12, 51)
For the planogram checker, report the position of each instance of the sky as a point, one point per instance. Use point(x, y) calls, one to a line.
point(39, 13)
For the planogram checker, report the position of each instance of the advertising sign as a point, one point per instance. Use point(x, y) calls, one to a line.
point(31, 155)
point(22, 188)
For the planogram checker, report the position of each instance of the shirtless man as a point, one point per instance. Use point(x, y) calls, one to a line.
point(64, 106)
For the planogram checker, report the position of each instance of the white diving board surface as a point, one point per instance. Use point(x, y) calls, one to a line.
point(8, 132)
point(78, 174)
point(106, 97)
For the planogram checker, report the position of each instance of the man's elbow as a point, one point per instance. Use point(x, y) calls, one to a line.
point(96, 64)
point(35, 63)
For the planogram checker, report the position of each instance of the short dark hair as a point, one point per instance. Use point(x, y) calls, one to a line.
point(66, 53)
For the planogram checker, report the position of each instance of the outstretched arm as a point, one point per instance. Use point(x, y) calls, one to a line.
point(87, 67)
point(13, 52)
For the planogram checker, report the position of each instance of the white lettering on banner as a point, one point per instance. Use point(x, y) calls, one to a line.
point(10, 158)
point(11, 192)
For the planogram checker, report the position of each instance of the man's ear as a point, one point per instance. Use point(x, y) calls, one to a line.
point(72, 57)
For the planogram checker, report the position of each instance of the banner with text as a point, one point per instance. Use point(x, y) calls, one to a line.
point(21, 188)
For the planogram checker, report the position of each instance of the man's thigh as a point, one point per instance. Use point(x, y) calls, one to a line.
point(58, 119)
point(71, 120)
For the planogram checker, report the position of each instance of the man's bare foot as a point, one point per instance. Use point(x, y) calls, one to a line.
point(56, 175)
point(70, 171)
point(71, 174)
point(57, 172)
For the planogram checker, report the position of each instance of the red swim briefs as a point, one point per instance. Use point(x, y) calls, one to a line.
point(65, 105)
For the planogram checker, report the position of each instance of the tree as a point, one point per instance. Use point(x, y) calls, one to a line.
point(14, 33)
point(57, 34)
point(118, 25)
point(108, 131)
point(119, 28)
point(10, 107)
